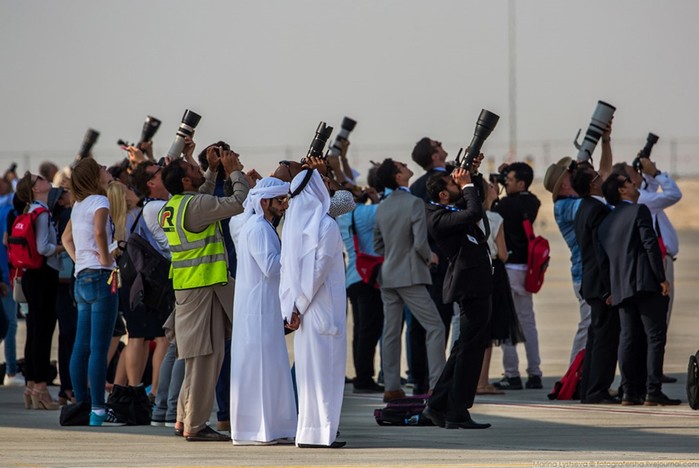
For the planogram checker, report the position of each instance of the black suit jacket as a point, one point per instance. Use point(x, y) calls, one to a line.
point(469, 274)
point(419, 187)
point(630, 245)
point(590, 215)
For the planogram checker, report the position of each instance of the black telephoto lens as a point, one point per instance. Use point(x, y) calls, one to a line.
point(484, 126)
point(318, 144)
point(88, 142)
point(345, 129)
point(651, 140)
point(150, 126)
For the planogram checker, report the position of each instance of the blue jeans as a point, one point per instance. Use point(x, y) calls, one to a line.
point(10, 307)
point(97, 314)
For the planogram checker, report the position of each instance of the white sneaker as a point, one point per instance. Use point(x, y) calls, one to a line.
point(14, 381)
point(253, 442)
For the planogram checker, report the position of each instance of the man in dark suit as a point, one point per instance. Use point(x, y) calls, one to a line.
point(430, 155)
point(638, 286)
point(603, 334)
point(453, 223)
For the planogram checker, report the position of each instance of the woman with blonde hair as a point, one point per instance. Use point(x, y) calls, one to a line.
point(88, 240)
point(40, 287)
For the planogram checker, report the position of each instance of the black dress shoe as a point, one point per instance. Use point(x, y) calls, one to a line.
point(603, 400)
point(655, 399)
point(208, 435)
point(465, 424)
point(667, 379)
point(371, 388)
point(631, 400)
point(336, 444)
point(437, 417)
point(179, 432)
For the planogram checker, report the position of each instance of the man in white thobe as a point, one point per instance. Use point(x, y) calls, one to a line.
point(263, 410)
point(312, 293)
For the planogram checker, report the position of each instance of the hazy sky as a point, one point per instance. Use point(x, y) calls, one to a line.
point(264, 73)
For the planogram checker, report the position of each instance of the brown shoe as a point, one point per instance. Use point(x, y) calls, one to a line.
point(223, 426)
point(393, 395)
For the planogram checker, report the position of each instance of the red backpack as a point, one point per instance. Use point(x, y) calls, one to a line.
point(567, 387)
point(21, 244)
point(538, 256)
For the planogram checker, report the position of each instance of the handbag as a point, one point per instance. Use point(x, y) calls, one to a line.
point(75, 414)
point(17, 291)
point(130, 405)
point(368, 266)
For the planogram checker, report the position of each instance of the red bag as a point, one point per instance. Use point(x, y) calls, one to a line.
point(538, 256)
point(21, 244)
point(368, 266)
point(567, 387)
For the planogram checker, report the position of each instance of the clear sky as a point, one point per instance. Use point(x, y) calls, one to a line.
point(264, 73)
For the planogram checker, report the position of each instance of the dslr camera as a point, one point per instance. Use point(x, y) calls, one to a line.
point(190, 120)
point(323, 132)
point(343, 135)
point(651, 140)
point(89, 141)
point(150, 126)
point(484, 126)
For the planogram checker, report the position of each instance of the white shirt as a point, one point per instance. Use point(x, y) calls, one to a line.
point(83, 222)
point(657, 202)
point(150, 217)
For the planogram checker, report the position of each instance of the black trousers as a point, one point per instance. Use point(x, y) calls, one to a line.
point(40, 288)
point(643, 320)
point(456, 388)
point(67, 314)
point(416, 336)
point(599, 365)
point(367, 313)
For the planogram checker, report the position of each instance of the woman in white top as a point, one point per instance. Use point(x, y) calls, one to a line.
point(40, 287)
point(87, 240)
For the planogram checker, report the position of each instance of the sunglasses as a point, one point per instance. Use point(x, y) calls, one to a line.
point(38, 178)
point(154, 173)
point(282, 200)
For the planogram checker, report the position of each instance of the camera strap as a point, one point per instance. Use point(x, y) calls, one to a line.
point(304, 182)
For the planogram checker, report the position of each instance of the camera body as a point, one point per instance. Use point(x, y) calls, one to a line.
point(499, 177)
point(599, 122)
point(89, 141)
point(343, 135)
point(150, 127)
point(651, 140)
point(484, 126)
point(190, 120)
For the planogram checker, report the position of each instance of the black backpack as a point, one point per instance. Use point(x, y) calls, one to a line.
point(693, 381)
point(146, 273)
point(402, 412)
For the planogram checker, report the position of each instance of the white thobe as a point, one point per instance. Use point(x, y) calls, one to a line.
point(320, 343)
point(262, 396)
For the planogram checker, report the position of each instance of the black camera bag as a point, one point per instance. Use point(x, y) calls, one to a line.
point(130, 405)
point(693, 381)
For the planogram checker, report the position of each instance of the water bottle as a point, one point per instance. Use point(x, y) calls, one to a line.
point(413, 420)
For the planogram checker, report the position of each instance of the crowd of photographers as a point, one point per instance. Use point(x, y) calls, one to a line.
point(448, 249)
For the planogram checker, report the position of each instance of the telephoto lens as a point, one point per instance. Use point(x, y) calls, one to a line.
point(321, 137)
point(651, 140)
point(484, 126)
point(89, 141)
point(190, 120)
point(345, 129)
point(150, 126)
point(601, 118)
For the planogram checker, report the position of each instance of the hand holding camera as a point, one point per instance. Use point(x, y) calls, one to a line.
point(252, 176)
point(135, 155)
point(188, 150)
point(317, 163)
point(461, 176)
point(230, 162)
point(647, 166)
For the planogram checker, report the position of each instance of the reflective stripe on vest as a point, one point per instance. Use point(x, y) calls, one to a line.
point(198, 258)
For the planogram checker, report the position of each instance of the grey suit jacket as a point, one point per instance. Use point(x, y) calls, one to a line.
point(400, 235)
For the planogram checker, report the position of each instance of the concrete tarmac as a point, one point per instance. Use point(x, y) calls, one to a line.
point(527, 429)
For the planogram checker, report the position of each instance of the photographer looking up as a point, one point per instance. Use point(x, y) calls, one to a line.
point(647, 181)
point(202, 283)
point(514, 208)
point(453, 222)
point(430, 155)
point(565, 206)
point(400, 235)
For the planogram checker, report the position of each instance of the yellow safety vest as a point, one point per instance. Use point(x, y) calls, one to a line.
point(198, 258)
